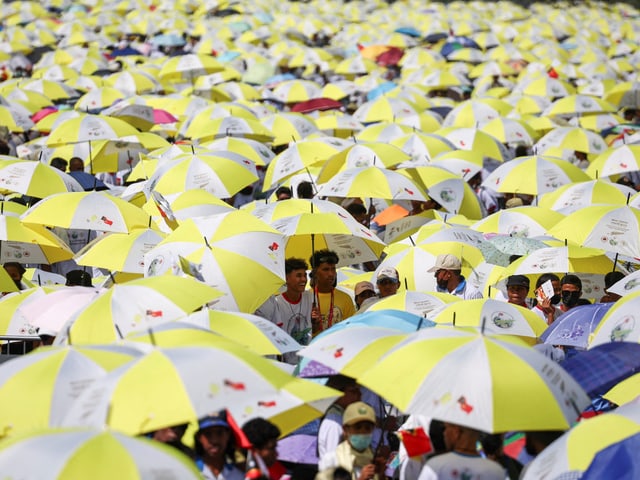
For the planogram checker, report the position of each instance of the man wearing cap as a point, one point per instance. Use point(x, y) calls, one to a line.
point(447, 271)
point(354, 454)
point(517, 290)
point(214, 446)
point(388, 282)
point(463, 459)
point(330, 305)
point(365, 295)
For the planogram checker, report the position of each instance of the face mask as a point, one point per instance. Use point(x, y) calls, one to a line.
point(555, 299)
point(360, 442)
point(570, 299)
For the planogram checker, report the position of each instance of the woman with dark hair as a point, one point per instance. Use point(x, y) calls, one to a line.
point(215, 449)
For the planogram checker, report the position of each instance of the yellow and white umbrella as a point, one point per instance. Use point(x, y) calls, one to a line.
point(616, 160)
point(87, 211)
point(88, 128)
point(571, 138)
point(533, 175)
point(120, 252)
point(575, 196)
point(526, 221)
point(34, 179)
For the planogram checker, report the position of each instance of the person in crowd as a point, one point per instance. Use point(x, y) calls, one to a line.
point(16, 271)
point(215, 449)
point(283, 193)
point(330, 305)
point(330, 431)
point(59, 163)
point(570, 291)
point(172, 436)
point(263, 436)
point(78, 278)
point(291, 310)
point(462, 460)
point(365, 295)
point(547, 308)
point(518, 290)
point(388, 282)
point(305, 190)
point(492, 445)
point(449, 278)
point(610, 279)
point(354, 453)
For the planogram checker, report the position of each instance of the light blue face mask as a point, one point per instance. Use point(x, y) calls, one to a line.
point(360, 442)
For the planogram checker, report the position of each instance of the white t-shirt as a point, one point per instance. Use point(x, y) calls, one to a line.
point(455, 466)
point(293, 318)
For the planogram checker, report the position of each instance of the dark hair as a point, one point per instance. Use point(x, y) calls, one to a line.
point(546, 276)
point(231, 444)
point(259, 431)
point(59, 162)
point(284, 190)
point(571, 280)
point(78, 278)
point(341, 474)
point(15, 265)
point(340, 382)
point(305, 190)
point(291, 264)
point(356, 209)
point(323, 256)
point(612, 278)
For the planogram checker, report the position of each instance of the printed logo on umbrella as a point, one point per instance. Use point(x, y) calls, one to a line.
point(502, 320)
point(623, 329)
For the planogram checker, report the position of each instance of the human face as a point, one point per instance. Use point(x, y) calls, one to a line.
point(296, 281)
point(14, 273)
point(214, 441)
point(442, 277)
point(325, 276)
point(517, 294)
point(364, 295)
point(269, 452)
point(350, 395)
point(387, 287)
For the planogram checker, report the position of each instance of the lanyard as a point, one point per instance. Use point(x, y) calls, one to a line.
point(329, 321)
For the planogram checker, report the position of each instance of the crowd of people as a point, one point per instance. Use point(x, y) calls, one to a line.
point(361, 436)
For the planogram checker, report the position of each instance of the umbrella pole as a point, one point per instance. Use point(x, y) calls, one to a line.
point(91, 162)
point(615, 262)
point(313, 183)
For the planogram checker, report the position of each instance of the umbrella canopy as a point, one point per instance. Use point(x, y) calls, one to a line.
point(574, 196)
point(167, 386)
point(77, 453)
point(619, 324)
point(610, 227)
point(135, 305)
point(34, 179)
point(483, 393)
point(87, 128)
point(310, 232)
point(87, 211)
point(572, 453)
point(604, 366)
point(618, 459)
point(371, 182)
point(22, 244)
point(574, 328)
point(616, 160)
point(222, 173)
point(416, 302)
point(493, 316)
point(38, 387)
point(533, 175)
point(120, 252)
point(519, 221)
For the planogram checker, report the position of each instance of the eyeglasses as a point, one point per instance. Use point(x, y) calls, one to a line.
point(386, 281)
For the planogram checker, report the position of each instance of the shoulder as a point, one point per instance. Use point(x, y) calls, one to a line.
point(231, 472)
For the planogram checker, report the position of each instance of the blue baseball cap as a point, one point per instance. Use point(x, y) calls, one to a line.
point(219, 420)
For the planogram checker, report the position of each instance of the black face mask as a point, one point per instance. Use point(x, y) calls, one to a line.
point(570, 299)
point(555, 299)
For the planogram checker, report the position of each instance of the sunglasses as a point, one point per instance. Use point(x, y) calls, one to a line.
point(386, 281)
